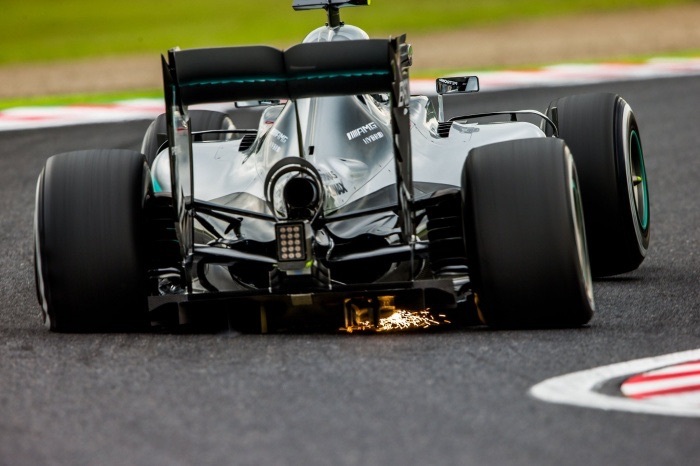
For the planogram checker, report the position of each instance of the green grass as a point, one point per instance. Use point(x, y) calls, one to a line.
point(42, 30)
point(72, 99)
point(50, 30)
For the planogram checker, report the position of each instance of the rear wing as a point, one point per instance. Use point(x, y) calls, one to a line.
point(258, 73)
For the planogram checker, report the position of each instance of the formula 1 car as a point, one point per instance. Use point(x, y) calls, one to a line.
point(350, 202)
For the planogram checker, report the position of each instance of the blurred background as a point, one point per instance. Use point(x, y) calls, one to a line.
point(83, 47)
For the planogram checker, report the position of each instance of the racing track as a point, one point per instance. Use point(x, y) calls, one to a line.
point(452, 397)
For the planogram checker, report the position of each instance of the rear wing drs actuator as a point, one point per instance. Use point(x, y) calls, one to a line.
point(319, 69)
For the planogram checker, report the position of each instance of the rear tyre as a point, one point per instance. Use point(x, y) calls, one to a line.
point(200, 120)
point(524, 234)
point(89, 241)
point(602, 133)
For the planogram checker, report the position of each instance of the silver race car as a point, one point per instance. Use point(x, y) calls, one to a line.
point(350, 203)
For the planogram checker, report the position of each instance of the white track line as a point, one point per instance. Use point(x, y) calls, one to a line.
point(576, 74)
point(45, 117)
point(559, 75)
point(580, 388)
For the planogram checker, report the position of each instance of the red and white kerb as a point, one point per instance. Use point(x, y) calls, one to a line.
point(679, 383)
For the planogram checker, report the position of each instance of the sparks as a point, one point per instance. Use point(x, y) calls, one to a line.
point(400, 320)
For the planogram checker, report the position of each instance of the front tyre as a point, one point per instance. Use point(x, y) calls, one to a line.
point(604, 138)
point(200, 120)
point(89, 241)
point(524, 235)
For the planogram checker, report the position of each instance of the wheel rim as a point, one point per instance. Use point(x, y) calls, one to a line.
point(580, 231)
point(638, 177)
point(38, 266)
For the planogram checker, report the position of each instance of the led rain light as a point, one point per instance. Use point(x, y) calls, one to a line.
point(291, 241)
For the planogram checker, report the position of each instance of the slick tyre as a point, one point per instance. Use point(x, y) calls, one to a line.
point(89, 241)
point(524, 235)
point(602, 133)
point(200, 120)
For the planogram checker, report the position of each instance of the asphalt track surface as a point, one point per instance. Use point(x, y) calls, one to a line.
point(451, 397)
